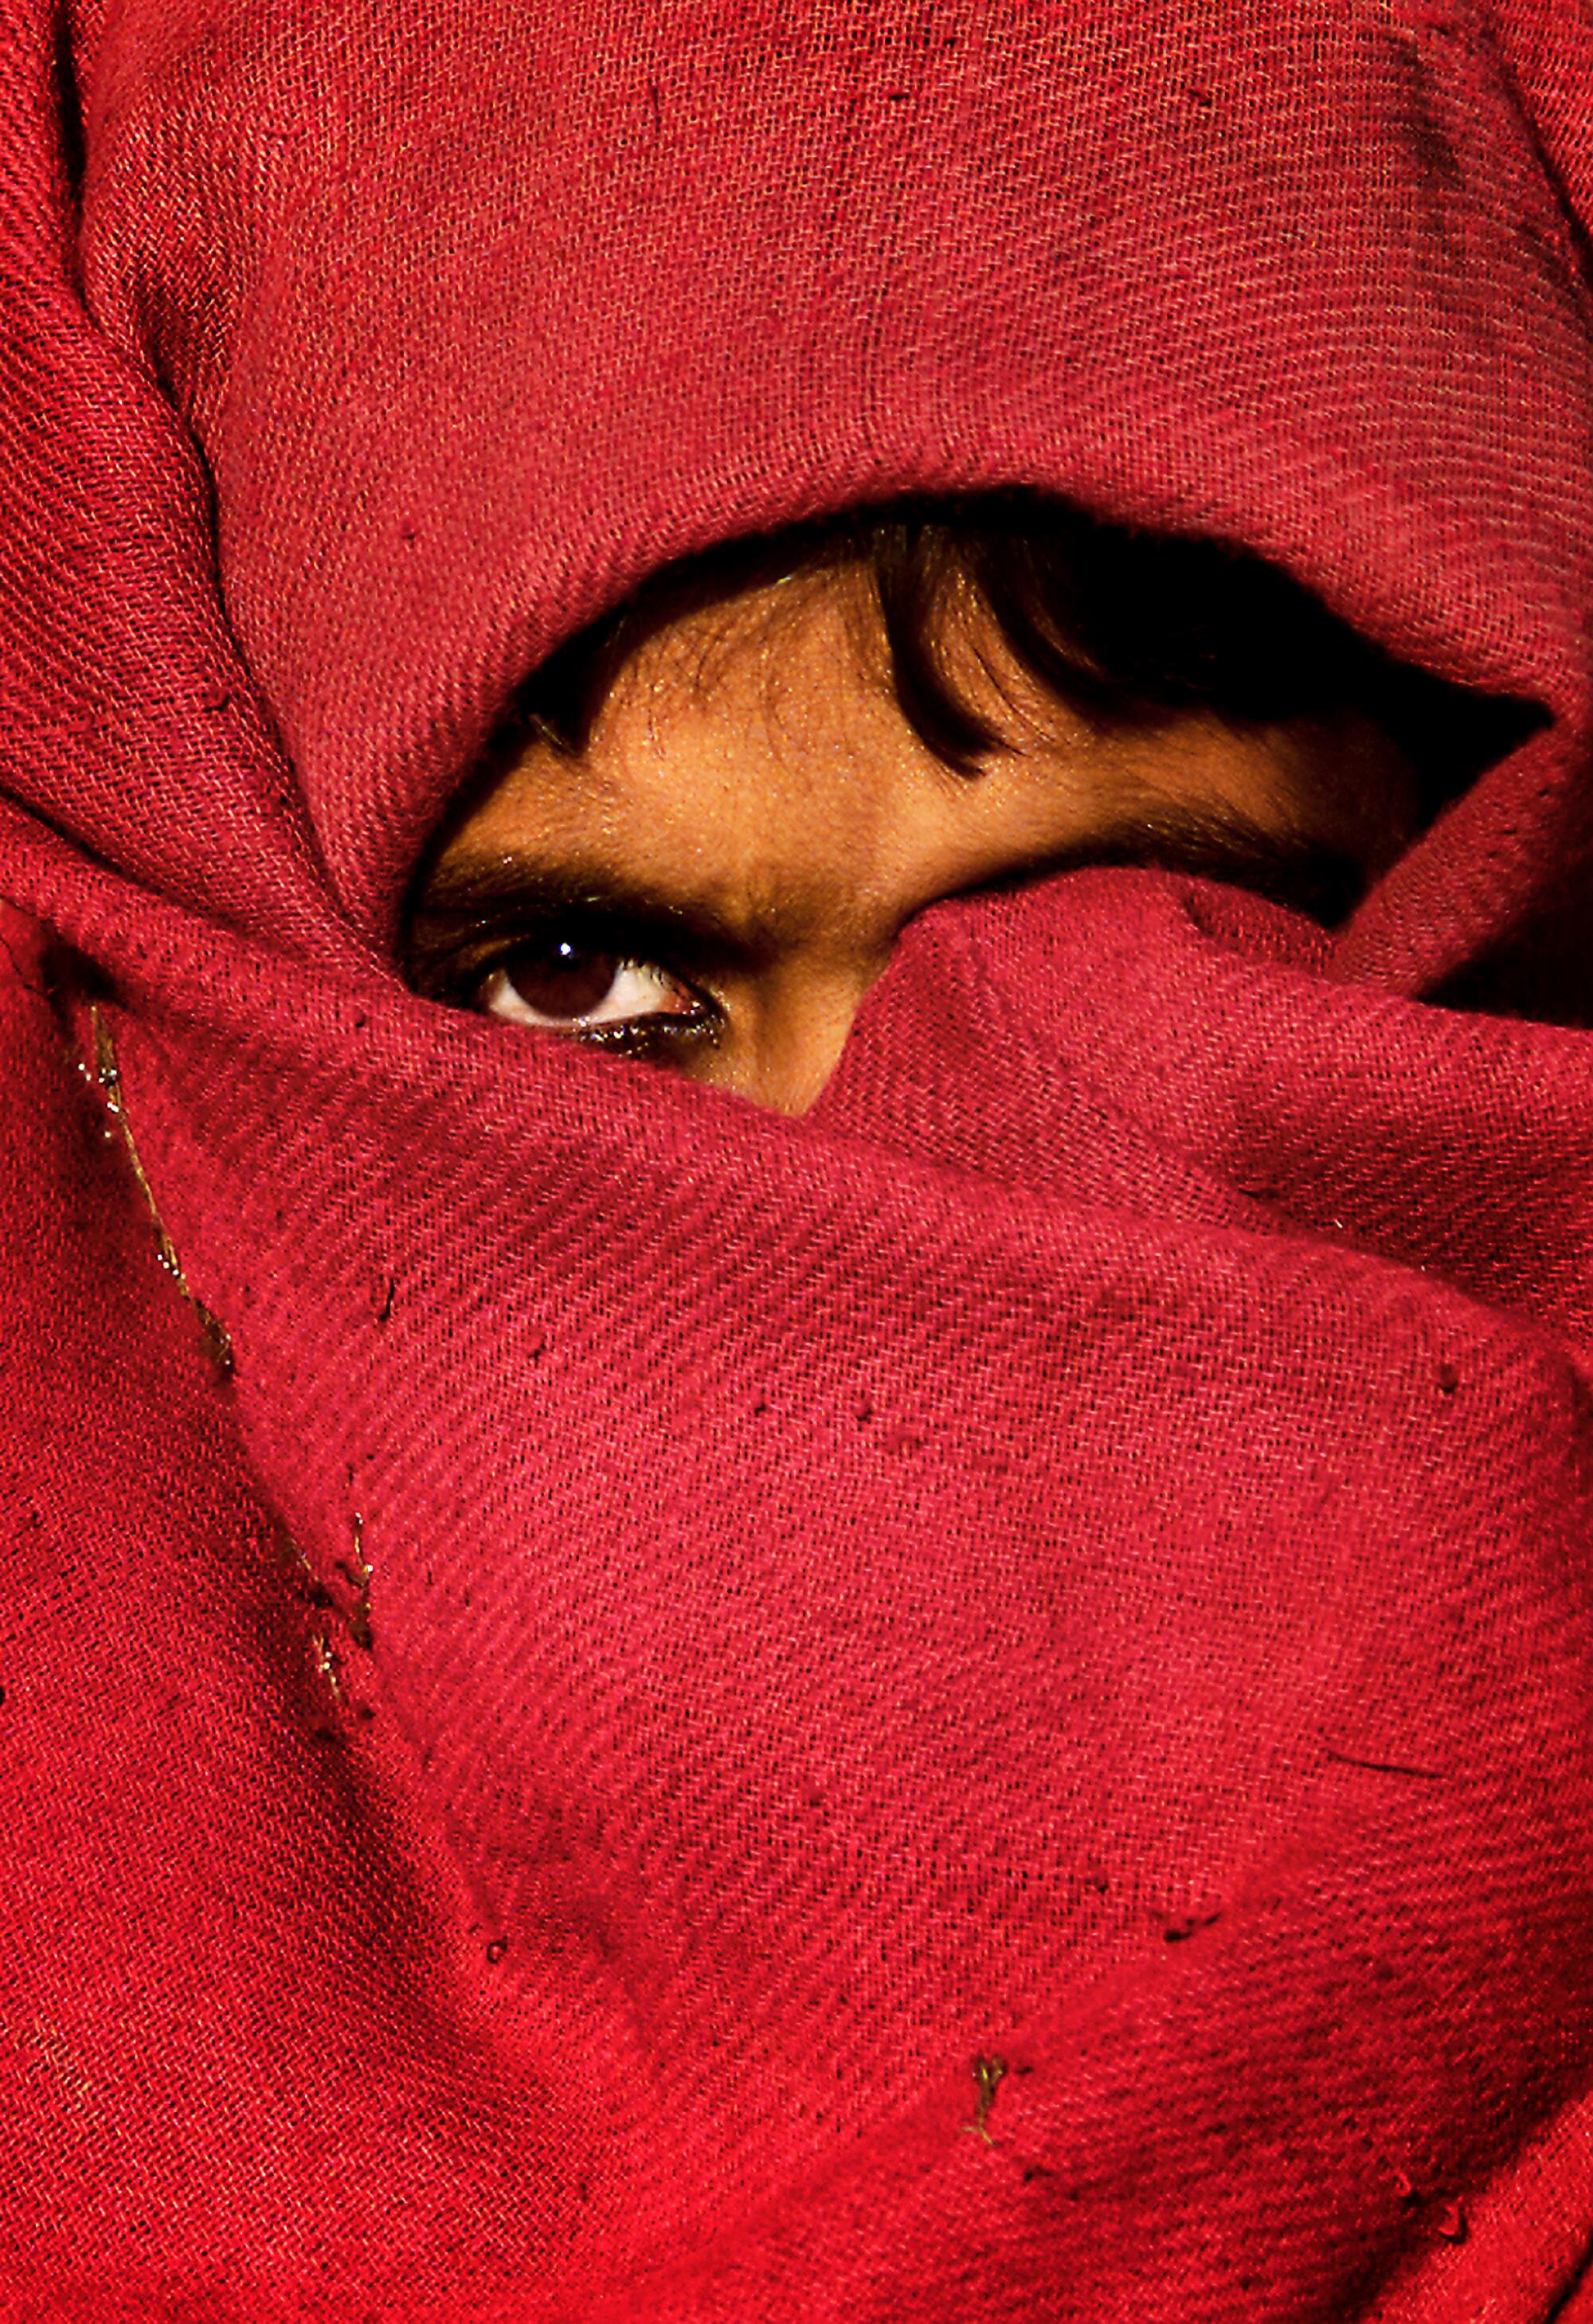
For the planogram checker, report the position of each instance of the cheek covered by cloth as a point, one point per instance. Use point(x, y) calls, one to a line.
point(616, 1706)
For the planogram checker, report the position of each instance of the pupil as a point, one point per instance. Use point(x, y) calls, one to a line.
point(560, 980)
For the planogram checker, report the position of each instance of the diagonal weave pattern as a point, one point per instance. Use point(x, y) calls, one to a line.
point(698, 1659)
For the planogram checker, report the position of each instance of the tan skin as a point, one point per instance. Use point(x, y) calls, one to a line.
point(773, 823)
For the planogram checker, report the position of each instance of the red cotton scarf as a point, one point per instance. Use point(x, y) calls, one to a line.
point(615, 1707)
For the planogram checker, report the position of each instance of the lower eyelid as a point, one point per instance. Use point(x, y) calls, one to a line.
point(642, 1035)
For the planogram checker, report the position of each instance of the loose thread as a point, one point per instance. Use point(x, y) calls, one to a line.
point(358, 1577)
point(989, 2073)
point(218, 1340)
point(355, 1620)
point(328, 1663)
point(298, 1569)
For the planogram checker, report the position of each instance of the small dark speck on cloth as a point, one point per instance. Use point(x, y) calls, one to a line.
point(1189, 1924)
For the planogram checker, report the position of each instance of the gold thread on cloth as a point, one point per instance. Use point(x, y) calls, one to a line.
point(357, 1575)
point(355, 1620)
point(989, 2073)
point(218, 1341)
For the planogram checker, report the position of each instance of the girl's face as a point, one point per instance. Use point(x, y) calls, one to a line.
point(717, 877)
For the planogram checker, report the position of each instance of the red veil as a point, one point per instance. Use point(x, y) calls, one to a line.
point(974, 1706)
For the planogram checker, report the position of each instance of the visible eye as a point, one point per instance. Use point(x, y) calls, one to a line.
point(564, 986)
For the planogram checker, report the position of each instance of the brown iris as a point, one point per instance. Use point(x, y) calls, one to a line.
point(557, 978)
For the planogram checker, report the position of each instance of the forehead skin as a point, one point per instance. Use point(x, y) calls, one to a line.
point(750, 765)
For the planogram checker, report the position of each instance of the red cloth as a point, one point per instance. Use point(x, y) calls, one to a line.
point(974, 1706)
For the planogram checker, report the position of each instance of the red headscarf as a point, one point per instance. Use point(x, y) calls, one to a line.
point(975, 1706)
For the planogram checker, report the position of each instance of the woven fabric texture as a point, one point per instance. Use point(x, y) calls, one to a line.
point(974, 1706)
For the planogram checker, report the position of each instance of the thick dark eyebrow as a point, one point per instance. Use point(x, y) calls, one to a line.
point(479, 892)
point(482, 892)
point(1307, 874)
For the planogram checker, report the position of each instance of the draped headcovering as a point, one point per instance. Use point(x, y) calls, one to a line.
point(977, 1705)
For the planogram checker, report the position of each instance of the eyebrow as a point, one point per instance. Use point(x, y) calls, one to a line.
point(487, 887)
point(1295, 869)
